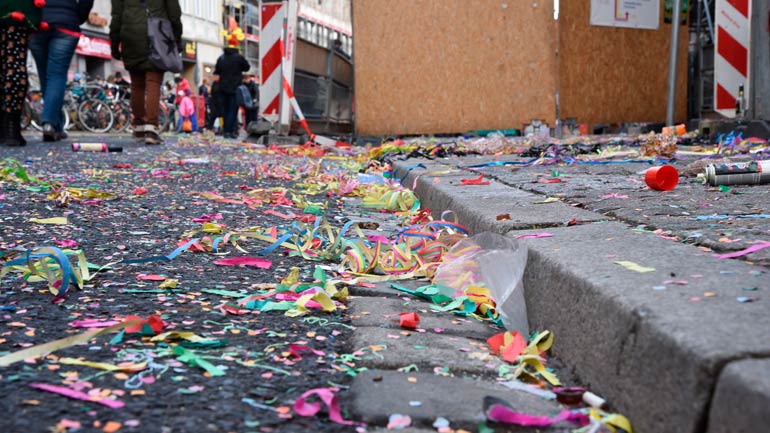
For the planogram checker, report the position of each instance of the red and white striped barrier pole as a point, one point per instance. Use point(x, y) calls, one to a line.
point(270, 58)
point(731, 63)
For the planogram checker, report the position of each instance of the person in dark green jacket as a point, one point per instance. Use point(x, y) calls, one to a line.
point(18, 18)
point(129, 41)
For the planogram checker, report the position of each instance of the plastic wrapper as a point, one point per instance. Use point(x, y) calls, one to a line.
point(494, 262)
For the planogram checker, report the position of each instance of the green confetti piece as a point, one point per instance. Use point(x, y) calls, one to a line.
point(117, 339)
point(193, 360)
point(724, 188)
point(313, 210)
point(228, 293)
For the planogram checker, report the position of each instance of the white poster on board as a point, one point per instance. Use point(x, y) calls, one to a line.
point(635, 14)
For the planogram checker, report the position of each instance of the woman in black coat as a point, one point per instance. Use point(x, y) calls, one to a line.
point(128, 36)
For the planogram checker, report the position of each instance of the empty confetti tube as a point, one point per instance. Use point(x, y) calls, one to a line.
point(95, 147)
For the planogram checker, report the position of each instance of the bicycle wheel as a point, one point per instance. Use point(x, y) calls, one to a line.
point(122, 111)
point(95, 116)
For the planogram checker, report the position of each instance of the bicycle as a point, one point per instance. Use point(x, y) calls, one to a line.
point(94, 113)
point(32, 112)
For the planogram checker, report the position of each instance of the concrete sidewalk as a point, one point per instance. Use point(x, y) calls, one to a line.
point(676, 348)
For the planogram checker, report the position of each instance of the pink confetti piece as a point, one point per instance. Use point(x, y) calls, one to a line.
point(279, 215)
point(303, 408)
point(66, 243)
point(398, 422)
point(77, 395)
point(535, 236)
point(614, 195)
point(206, 218)
point(745, 252)
point(678, 283)
point(247, 261)
point(92, 323)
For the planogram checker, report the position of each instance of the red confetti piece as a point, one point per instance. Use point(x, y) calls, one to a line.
point(478, 181)
point(409, 320)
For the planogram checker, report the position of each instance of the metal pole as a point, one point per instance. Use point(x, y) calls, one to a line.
point(697, 68)
point(672, 62)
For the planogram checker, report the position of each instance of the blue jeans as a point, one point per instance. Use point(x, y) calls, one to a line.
point(230, 109)
point(53, 52)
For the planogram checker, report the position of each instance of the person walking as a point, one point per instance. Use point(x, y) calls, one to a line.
point(53, 50)
point(18, 18)
point(230, 67)
point(203, 98)
point(130, 43)
point(188, 121)
point(216, 105)
point(248, 98)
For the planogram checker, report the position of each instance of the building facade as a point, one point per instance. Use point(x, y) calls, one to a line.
point(202, 39)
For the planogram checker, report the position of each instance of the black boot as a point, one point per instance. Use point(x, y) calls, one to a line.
point(12, 124)
point(2, 126)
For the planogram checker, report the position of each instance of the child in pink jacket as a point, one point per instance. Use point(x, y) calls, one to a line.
point(187, 111)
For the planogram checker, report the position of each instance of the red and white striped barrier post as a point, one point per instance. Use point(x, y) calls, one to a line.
point(731, 63)
point(270, 58)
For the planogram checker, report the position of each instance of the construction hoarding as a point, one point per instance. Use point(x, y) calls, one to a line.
point(452, 66)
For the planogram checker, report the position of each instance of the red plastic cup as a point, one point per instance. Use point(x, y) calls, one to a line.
point(662, 178)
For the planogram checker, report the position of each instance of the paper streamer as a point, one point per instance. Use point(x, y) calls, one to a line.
point(500, 411)
point(327, 396)
point(631, 266)
point(747, 251)
point(247, 261)
point(77, 395)
point(63, 343)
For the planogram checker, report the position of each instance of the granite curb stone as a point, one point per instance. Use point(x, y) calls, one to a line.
point(655, 354)
point(426, 350)
point(741, 402)
point(378, 394)
point(383, 313)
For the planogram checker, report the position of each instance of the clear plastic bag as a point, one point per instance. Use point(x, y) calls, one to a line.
point(492, 261)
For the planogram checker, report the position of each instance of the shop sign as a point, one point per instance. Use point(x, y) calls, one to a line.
point(190, 50)
point(94, 47)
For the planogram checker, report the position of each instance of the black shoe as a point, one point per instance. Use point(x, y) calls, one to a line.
point(49, 134)
point(12, 126)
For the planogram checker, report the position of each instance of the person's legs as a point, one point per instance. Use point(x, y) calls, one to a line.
point(230, 112)
point(251, 116)
point(137, 98)
point(194, 119)
point(152, 107)
point(137, 104)
point(38, 44)
point(61, 47)
point(15, 82)
point(152, 100)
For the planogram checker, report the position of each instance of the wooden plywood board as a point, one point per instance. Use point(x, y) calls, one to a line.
point(613, 75)
point(448, 66)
